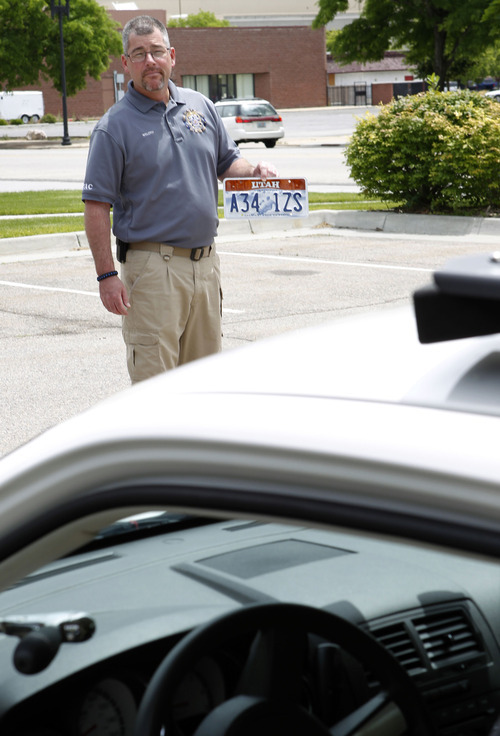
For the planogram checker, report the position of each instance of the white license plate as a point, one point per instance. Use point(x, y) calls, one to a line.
point(271, 198)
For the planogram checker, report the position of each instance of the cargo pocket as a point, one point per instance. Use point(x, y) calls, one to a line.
point(143, 356)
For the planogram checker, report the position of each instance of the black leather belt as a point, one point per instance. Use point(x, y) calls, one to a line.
point(166, 250)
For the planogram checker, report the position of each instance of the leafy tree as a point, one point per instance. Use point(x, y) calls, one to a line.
point(487, 64)
point(30, 43)
point(203, 19)
point(438, 36)
point(492, 13)
point(330, 38)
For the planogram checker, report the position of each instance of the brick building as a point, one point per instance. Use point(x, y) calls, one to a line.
point(286, 65)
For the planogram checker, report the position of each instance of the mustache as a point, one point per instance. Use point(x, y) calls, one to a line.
point(157, 85)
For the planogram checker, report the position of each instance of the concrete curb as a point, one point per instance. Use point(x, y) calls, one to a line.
point(382, 222)
point(44, 243)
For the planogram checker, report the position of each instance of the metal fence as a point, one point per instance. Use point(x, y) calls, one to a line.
point(357, 94)
point(361, 93)
point(403, 89)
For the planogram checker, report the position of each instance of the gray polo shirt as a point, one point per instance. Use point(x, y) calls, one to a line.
point(158, 165)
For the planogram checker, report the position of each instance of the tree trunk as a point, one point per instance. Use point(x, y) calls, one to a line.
point(440, 61)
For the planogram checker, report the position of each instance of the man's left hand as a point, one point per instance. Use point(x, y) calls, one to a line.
point(265, 170)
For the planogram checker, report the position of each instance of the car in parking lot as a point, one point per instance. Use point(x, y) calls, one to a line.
point(297, 537)
point(493, 95)
point(251, 119)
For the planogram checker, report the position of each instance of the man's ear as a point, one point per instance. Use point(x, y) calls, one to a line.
point(124, 61)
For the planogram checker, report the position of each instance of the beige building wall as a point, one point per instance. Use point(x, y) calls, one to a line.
point(239, 12)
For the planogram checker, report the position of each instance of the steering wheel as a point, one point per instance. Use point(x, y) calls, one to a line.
point(270, 687)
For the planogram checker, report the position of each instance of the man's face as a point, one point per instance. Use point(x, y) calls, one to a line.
point(150, 75)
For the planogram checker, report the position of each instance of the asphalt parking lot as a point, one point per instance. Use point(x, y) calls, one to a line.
point(62, 352)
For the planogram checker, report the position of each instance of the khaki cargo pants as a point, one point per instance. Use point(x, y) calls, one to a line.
point(176, 306)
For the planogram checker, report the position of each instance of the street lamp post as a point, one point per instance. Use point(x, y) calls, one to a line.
point(60, 10)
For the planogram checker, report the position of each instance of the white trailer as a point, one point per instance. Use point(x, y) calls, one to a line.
point(25, 106)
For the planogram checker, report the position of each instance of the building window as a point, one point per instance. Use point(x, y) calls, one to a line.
point(245, 85)
point(199, 83)
point(221, 86)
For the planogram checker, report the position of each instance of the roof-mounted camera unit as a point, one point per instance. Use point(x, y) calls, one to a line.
point(463, 301)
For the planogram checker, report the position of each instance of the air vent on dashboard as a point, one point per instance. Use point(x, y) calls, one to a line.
point(448, 637)
point(444, 638)
point(397, 640)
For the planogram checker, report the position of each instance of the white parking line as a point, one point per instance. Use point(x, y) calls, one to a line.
point(37, 287)
point(41, 255)
point(296, 259)
point(263, 256)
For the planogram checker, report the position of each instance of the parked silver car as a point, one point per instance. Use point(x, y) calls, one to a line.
point(297, 537)
point(493, 95)
point(251, 119)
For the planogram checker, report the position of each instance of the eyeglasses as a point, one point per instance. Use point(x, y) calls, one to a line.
point(138, 56)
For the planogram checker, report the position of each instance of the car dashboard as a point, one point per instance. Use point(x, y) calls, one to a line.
point(436, 611)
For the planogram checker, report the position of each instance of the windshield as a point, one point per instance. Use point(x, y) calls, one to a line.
point(257, 109)
point(143, 525)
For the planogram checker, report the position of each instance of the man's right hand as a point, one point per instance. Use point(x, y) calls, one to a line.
point(114, 295)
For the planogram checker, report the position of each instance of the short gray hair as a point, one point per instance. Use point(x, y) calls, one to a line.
point(143, 25)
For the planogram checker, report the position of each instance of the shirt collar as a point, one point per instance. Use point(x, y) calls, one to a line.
point(176, 94)
point(144, 104)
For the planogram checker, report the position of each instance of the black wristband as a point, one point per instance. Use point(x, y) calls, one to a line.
point(107, 275)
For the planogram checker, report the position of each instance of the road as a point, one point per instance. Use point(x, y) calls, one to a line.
point(64, 167)
point(312, 148)
point(323, 122)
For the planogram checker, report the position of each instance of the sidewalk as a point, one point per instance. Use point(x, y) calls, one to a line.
point(320, 222)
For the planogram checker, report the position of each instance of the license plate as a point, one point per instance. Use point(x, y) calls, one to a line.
point(261, 124)
point(271, 198)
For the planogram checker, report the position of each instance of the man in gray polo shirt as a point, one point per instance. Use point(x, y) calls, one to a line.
point(155, 158)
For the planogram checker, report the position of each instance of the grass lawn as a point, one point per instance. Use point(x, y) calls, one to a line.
point(18, 228)
point(35, 213)
point(40, 203)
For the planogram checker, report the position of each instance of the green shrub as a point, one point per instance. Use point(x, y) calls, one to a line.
point(17, 121)
point(3, 122)
point(48, 118)
point(435, 151)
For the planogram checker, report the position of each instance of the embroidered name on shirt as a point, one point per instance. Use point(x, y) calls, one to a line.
point(150, 132)
point(194, 121)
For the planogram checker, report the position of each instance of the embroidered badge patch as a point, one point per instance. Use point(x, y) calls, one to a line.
point(194, 121)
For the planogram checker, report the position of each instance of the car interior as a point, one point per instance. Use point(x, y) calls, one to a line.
point(226, 606)
point(167, 618)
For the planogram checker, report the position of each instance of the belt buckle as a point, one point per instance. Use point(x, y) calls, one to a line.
point(198, 253)
point(195, 251)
